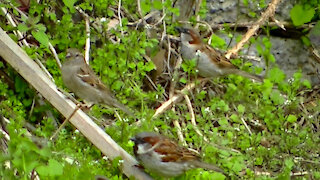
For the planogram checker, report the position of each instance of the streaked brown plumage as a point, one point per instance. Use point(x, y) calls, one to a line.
point(81, 79)
point(210, 62)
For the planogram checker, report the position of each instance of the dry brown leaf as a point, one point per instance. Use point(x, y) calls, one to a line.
point(158, 61)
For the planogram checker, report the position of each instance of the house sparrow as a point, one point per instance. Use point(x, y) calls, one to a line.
point(81, 79)
point(165, 157)
point(210, 62)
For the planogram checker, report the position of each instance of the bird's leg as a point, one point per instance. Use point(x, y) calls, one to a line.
point(79, 106)
point(84, 107)
point(68, 96)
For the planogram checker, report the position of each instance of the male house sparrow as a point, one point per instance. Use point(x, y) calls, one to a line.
point(81, 79)
point(210, 62)
point(165, 157)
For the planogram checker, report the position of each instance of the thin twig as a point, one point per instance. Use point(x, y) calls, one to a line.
point(175, 122)
point(87, 51)
point(152, 83)
point(249, 24)
point(64, 122)
point(244, 122)
point(11, 21)
point(151, 14)
point(246, 125)
point(197, 9)
point(118, 115)
point(55, 55)
point(119, 16)
point(193, 117)
point(264, 16)
point(176, 98)
point(179, 132)
point(175, 76)
point(40, 101)
point(5, 134)
point(24, 41)
point(86, 17)
point(32, 106)
point(139, 10)
point(160, 20)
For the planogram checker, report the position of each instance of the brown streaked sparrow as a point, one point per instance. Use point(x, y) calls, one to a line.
point(165, 157)
point(78, 77)
point(210, 62)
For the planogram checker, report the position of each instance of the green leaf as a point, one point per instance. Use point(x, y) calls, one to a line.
point(41, 37)
point(241, 108)
point(276, 97)
point(202, 95)
point(305, 41)
point(289, 163)
point(117, 85)
point(276, 75)
point(300, 15)
point(291, 118)
point(69, 3)
point(259, 161)
point(149, 66)
point(19, 84)
point(237, 166)
point(223, 121)
point(41, 27)
point(23, 27)
point(307, 84)
point(183, 80)
point(54, 168)
point(234, 117)
point(217, 176)
point(217, 41)
point(145, 6)
point(157, 4)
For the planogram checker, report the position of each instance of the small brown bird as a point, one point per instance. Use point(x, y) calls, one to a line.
point(78, 77)
point(210, 62)
point(165, 157)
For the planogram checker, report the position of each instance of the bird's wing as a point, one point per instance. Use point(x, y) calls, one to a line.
point(174, 152)
point(216, 57)
point(87, 75)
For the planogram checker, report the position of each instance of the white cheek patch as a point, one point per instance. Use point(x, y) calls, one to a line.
point(145, 148)
point(198, 52)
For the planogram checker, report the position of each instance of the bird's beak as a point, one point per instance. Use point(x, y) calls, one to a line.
point(68, 55)
point(133, 139)
point(181, 30)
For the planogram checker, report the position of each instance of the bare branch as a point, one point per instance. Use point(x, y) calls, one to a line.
point(264, 16)
point(176, 98)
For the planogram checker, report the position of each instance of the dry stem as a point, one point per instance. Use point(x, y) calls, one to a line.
point(267, 14)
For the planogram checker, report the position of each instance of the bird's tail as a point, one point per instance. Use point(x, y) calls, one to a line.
point(249, 75)
point(123, 108)
point(207, 166)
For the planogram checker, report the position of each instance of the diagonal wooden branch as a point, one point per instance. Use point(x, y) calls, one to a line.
point(28, 69)
point(264, 16)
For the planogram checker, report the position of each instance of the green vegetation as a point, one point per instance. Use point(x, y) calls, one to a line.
point(280, 135)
